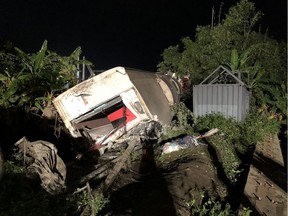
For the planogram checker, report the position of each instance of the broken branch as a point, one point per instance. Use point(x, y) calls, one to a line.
point(99, 173)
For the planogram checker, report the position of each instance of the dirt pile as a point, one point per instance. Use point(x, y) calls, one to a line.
point(164, 185)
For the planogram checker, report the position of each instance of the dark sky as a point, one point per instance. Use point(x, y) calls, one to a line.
point(131, 33)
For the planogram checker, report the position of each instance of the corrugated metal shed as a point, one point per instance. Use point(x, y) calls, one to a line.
point(221, 92)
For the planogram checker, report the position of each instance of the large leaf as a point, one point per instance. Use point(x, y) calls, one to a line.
point(24, 77)
point(9, 92)
point(38, 59)
point(76, 53)
point(24, 99)
point(3, 78)
point(13, 98)
point(22, 53)
point(243, 59)
point(24, 59)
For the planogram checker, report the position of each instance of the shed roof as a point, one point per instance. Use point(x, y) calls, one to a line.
point(222, 75)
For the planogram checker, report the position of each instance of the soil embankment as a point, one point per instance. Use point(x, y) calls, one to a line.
point(266, 187)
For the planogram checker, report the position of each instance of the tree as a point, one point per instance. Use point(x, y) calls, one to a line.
point(235, 42)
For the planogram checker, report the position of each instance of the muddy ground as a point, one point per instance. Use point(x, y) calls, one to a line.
point(165, 185)
point(153, 184)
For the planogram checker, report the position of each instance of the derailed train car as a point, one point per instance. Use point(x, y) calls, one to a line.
point(107, 106)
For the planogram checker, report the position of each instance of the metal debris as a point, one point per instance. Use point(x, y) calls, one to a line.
point(185, 142)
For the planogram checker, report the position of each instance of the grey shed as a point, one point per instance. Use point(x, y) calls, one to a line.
point(221, 92)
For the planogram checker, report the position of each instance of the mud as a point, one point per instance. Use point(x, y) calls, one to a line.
point(164, 185)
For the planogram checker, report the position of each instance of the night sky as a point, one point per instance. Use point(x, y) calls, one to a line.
point(130, 33)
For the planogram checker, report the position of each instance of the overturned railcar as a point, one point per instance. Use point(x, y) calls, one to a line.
point(108, 105)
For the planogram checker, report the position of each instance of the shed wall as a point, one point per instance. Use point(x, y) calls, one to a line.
point(232, 100)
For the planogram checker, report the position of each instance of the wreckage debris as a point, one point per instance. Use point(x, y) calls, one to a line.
point(117, 106)
point(185, 142)
point(141, 135)
point(180, 143)
point(106, 107)
point(118, 166)
point(42, 159)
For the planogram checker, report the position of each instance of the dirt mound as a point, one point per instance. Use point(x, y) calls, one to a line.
point(164, 185)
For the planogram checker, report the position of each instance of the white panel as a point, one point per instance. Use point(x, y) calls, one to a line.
point(229, 99)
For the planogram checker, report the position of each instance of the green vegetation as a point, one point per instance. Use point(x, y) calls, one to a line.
point(181, 123)
point(87, 204)
point(20, 195)
point(228, 126)
point(29, 81)
point(236, 137)
point(236, 42)
point(233, 137)
point(211, 207)
point(257, 126)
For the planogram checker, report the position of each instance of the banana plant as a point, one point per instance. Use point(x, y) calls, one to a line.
point(36, 74)
point(238, 63)
point(33, 63)
point(255, 74)
point(10, 88)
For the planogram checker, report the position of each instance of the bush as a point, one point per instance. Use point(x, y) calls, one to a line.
point(182, 117)
point(88, 204)
point(256, 126)
point(182, 122)
point(223, 142)
point(228, 126)
point(212, 207)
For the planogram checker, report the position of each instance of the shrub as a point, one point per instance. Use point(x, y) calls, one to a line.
point(182, 116)
point(182, 122)
point(228, 126)
point(209, 207)
point(85, 203)
point(256, 126)
point(223, 142)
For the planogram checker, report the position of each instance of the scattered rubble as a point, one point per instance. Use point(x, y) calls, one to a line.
point(188, 141)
